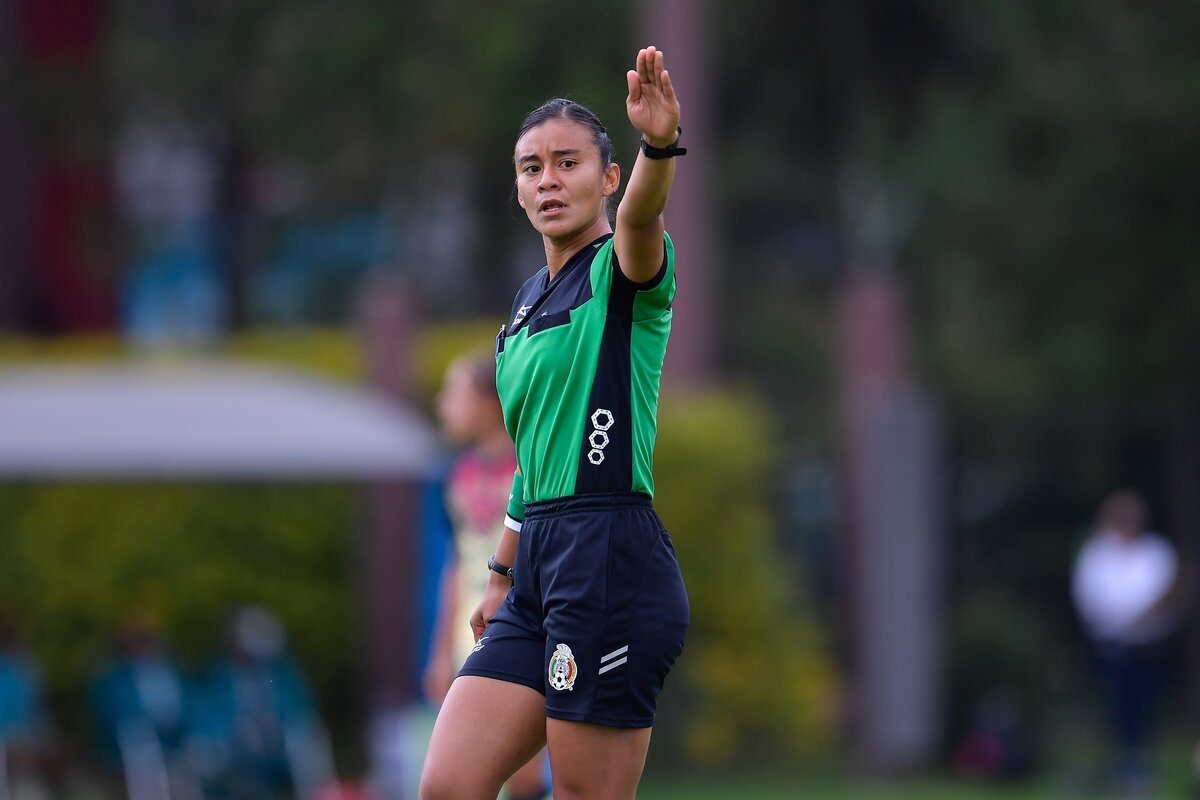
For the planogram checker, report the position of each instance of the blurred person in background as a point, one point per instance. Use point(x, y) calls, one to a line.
point(27, 753)
point(256, 730)
point(996, 744)
point(476, 497)
point(1123, 582)
point(139, 698)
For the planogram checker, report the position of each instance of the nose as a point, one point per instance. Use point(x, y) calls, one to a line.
point(548, 179)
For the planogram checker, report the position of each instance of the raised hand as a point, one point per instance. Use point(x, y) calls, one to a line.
point(652, 106)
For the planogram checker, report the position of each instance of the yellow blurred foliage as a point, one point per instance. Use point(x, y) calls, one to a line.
point(756, 670)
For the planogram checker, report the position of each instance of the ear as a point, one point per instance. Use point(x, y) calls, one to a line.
point(612, 179)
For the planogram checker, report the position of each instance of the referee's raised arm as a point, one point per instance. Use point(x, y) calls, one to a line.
point(653, 111)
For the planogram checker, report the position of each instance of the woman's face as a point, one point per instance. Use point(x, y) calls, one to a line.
point(462, 409)
point(561, 183)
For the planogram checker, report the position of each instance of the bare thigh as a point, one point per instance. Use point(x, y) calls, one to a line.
point(595, 762)
point(484, 732)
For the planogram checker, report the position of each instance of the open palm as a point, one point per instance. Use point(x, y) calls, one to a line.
point(652, 106)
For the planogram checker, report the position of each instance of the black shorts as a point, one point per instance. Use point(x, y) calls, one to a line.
point(597, 613)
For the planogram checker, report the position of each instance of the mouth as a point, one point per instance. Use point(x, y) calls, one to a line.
point(551, 208)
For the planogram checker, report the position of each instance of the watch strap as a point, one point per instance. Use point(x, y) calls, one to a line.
point(670, 151)
point(499, 568)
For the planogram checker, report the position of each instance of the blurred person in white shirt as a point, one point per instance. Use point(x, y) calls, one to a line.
point(1123, 586)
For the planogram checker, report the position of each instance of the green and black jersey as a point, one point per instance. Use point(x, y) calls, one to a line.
point(577, 369)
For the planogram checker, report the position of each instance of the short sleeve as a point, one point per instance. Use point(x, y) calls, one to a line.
point(654, 296)
point(515, 515)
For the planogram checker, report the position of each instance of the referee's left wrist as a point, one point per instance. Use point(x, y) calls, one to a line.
point(661, 142)
point(500, 571)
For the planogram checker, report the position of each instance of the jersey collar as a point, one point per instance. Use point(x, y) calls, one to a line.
point(584, 254)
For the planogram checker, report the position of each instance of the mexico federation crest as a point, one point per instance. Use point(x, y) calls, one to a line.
point(563, 669)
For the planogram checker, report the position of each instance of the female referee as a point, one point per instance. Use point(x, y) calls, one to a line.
point(586, 609)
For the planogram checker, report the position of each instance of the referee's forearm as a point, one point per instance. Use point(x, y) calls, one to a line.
point(646, 195)
point(506, 548)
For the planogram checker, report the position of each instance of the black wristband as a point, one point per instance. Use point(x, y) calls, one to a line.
point(670, 151)
point(500, 569)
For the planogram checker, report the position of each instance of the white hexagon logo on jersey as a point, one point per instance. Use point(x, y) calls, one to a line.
point(602, 420)
point(606, 415)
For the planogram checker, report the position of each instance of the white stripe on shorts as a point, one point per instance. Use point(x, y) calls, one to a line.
point(613, 654)
point(613, 665)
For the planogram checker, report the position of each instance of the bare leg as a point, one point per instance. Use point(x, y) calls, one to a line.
point(528, 781)
point(484, 732)
point(595, 762)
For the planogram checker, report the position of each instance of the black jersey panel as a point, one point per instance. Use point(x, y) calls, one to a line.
point(540, 299)
point(545, 320)
point(529, 293)
point(606, 452)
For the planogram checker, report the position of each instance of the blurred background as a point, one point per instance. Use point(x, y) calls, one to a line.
point(939, 274)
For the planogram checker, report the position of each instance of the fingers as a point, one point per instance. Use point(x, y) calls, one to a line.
point(635, 86)
point(650, 69)
point(652, 102)
point(667, 88)
point(477, 624)
point(645, 61)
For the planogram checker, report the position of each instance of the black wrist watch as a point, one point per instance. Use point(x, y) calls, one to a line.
point(670, 151)
point(500, 569)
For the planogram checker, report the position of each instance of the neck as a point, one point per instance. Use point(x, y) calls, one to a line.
point(559, 251)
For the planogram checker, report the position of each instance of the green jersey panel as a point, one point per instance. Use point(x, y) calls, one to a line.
point(578, 368)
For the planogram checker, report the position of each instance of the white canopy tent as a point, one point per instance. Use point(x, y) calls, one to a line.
point(195, 421)
point(220, 421)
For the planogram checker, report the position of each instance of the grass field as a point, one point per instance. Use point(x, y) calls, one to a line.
point(828, 782)
point(749, 789)
point(1062, 782)
point(839, 788)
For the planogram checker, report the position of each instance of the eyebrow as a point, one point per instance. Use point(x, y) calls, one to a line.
point(553, 154)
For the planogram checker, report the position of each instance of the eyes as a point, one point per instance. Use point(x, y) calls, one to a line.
point(534, 169)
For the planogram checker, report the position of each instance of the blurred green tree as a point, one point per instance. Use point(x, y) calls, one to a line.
point(78, 560)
